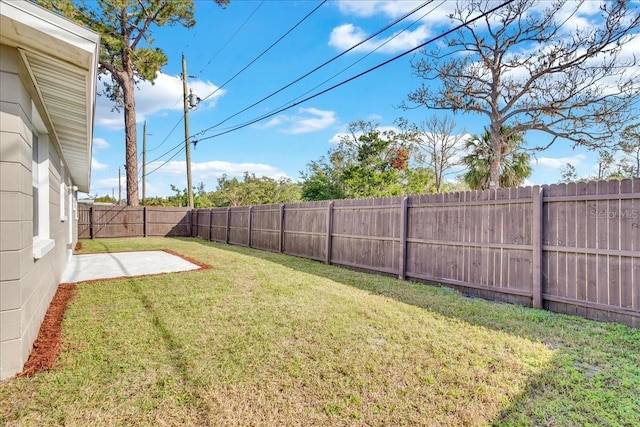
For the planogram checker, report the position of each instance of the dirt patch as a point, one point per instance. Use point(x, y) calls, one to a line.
point(48, 345)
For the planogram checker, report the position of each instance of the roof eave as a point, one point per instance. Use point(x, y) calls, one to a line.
point(71, 53)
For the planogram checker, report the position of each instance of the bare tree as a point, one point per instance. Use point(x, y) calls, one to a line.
point(440, 146)
point(525, 69)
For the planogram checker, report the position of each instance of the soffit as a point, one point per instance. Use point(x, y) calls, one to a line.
point(61, 59)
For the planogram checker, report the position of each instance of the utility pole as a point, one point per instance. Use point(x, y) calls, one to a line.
point(186, 130)
point(119, 187)
point(144, 162)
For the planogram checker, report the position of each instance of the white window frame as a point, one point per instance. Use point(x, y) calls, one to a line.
point(63, 194)
point(42, 243)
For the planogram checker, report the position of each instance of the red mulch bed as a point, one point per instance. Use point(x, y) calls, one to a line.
point(48, 345)
point(200, 264)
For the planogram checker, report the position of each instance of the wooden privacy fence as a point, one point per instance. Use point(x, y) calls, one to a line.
point(570, 248)
point(132, 221)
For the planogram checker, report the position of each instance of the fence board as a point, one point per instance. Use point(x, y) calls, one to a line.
point(265, 227)
point(570, 243)
point(628, 294)
point(582, 284)
point(239, 226)
point(120, 221)
point(613, 236)
point(307, 218)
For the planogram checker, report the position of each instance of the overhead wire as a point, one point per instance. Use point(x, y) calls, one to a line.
point(266, 50)
point(321, 65)
point(199, 73)
point(371, 69)
point(168, 135)
point(180, 145)
point(420, 46)
point(344, 69)
point(238, 73)
point(158, 146)
point(232, 36)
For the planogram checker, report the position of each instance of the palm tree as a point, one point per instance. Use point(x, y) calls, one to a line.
point(514, 169)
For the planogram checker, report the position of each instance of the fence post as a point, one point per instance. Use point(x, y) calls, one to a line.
point(329, 231)
point(227, 226)
point(194, 223)
point(144, 221)
point(536, 240)
point(91, 236)
point(210, 223)
point(404, 211)
point(281, 242)
point(249, 225)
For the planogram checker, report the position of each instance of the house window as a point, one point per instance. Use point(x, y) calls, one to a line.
point(40, 183)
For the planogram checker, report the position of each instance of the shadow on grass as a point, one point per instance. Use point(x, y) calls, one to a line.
point(176, 356)
point(593, 377)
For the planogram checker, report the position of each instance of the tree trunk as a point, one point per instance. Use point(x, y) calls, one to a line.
point(131, 142)
point(496, 156)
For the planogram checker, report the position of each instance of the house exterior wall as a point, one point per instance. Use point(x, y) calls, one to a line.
point(27, 285)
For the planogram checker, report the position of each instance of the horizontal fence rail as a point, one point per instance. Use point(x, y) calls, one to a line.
point(98, 221)
point(569, 248)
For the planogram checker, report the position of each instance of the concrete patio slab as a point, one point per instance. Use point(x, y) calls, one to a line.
point(123, 264)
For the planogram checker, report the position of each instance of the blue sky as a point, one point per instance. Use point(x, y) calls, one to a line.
point(219, 46)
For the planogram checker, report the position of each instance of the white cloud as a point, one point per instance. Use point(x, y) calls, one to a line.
point(97, 166)
point(345, 36)
point(174, 173)
point(307, 120)
point(427, 17)
point(100, 144)
point(209, 171)
point(215, 169)
point(100, 187)
point(367, 9)
point(152, 99)
point(560, 162)
point(335, 139)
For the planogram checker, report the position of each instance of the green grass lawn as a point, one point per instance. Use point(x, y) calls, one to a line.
point(265, 339)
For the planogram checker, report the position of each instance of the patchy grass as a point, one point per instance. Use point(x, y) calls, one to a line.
point(267, 339)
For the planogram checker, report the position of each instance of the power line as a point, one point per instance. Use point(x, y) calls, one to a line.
point(368, 54)
point(234, 76)
point(266, 50)
point(159, 145)
point(200, 72)
point(365, 56)
point(169, 159)
point(344, 69)
point(231, 37)
point(167, 137)
point(420, 46)
point(181, 143)
point(432, 40)
point(322, 65)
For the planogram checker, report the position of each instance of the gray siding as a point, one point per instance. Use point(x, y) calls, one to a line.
point(26, 285)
